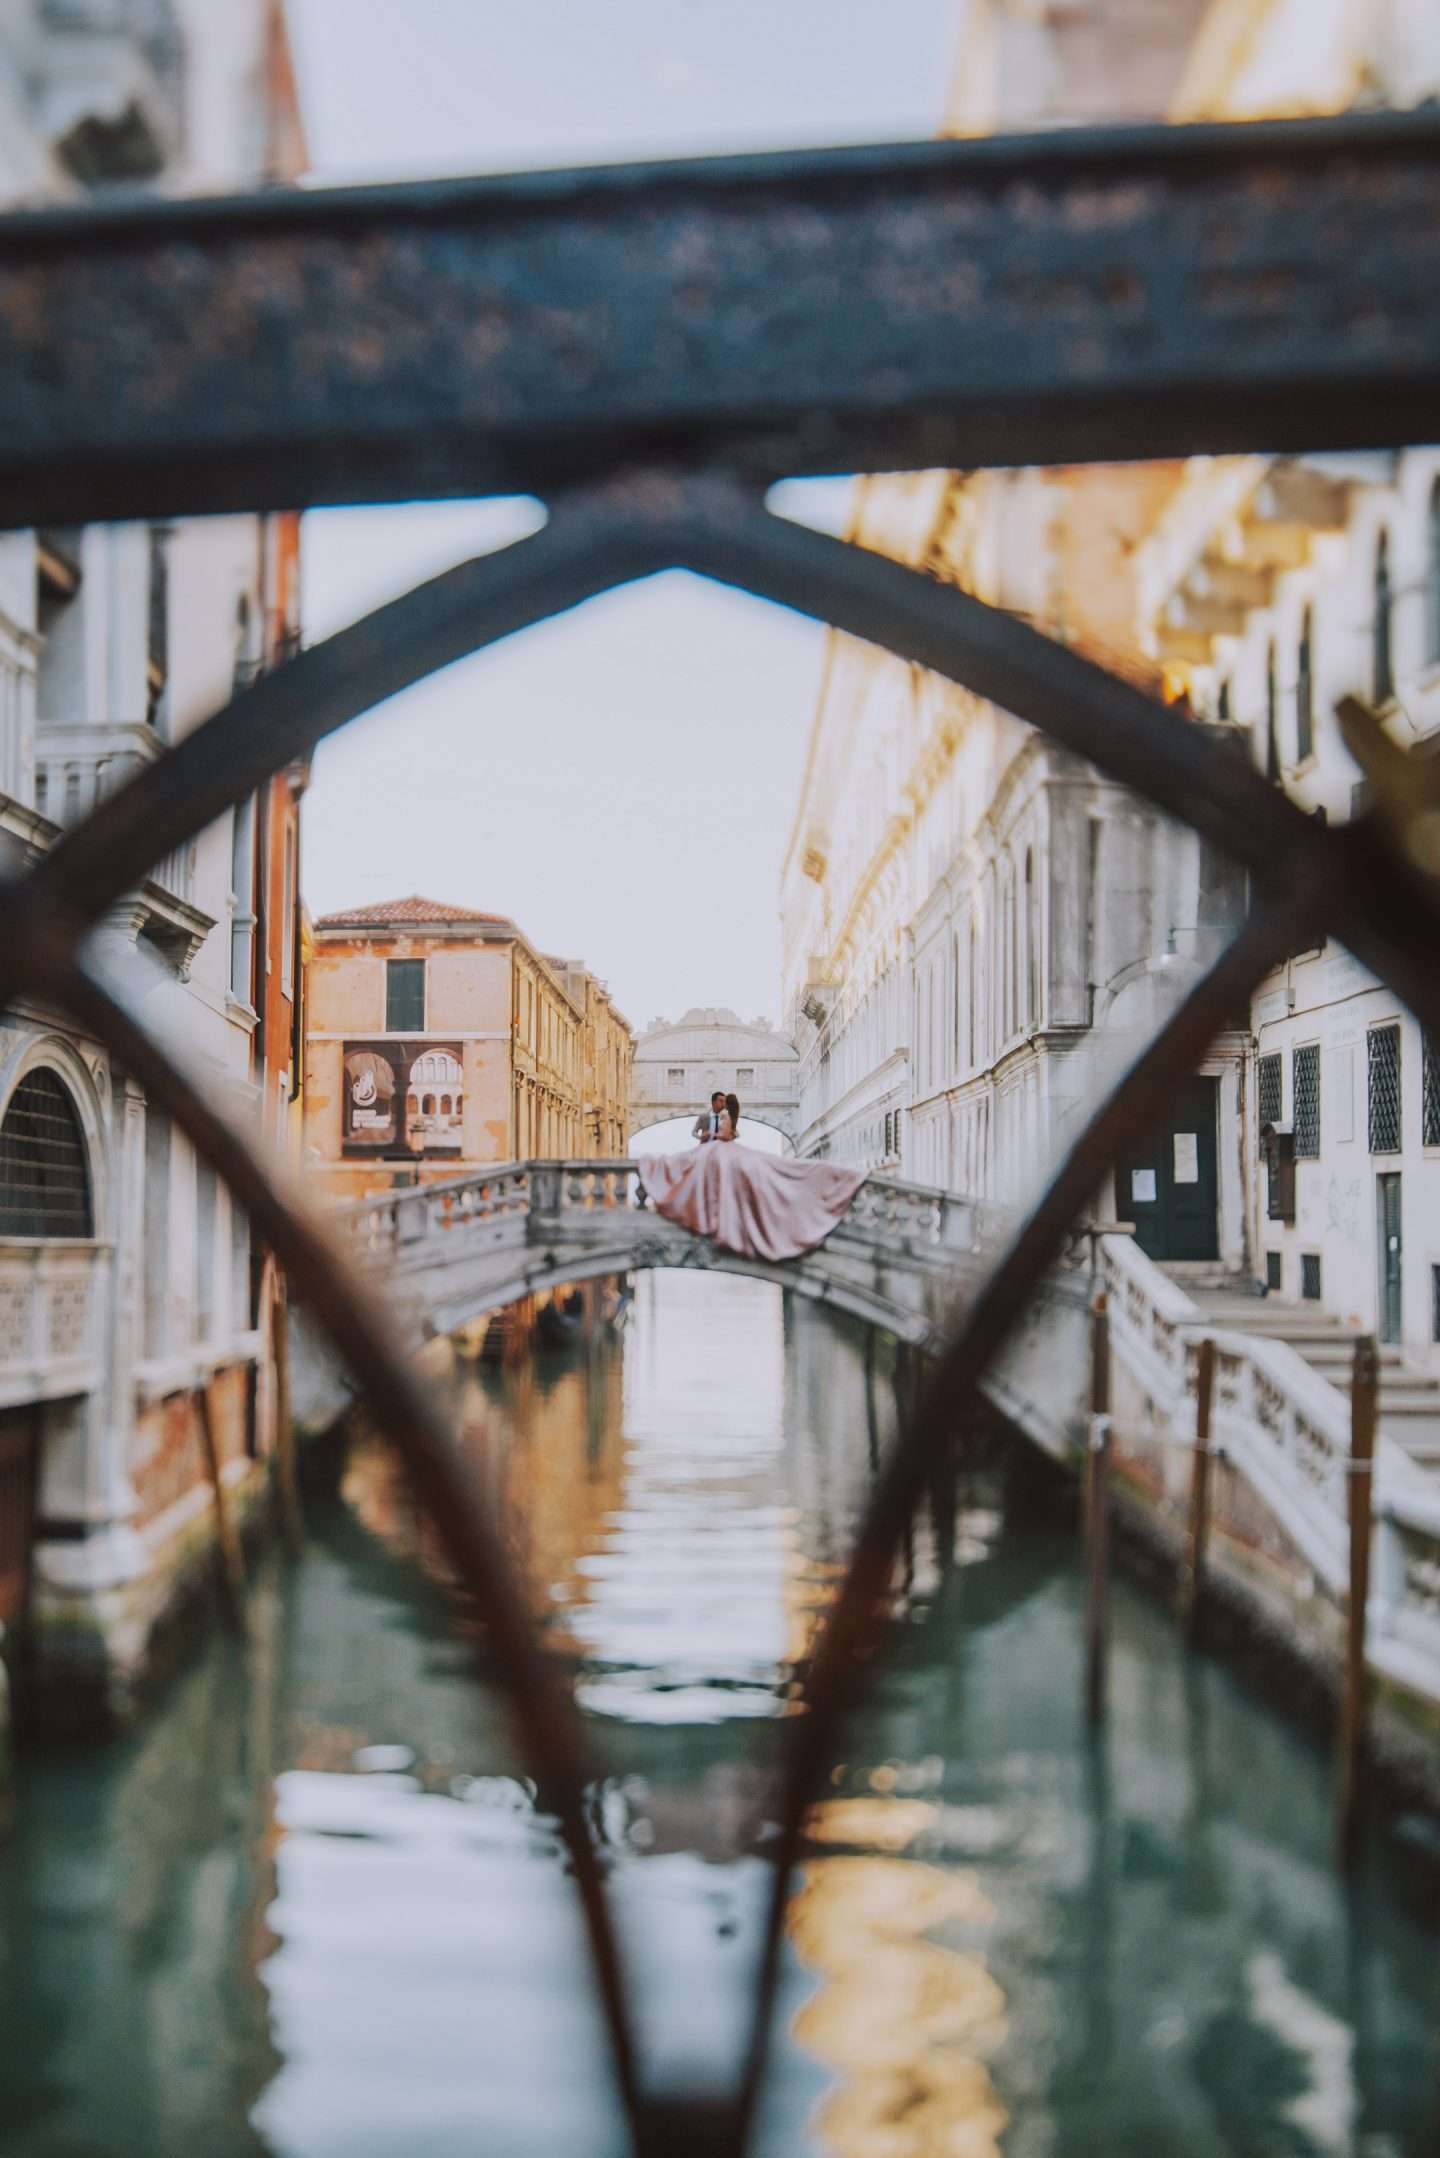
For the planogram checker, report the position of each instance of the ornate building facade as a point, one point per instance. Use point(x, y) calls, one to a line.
point(439, 1038)
point(133, 1300)
point(976, 925)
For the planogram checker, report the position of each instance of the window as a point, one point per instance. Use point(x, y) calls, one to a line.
point(1384, 1047)
point(404, 996)
point(1222, 704)
point(1268, 1089)
point(157, 654)
point(1432, 580)
point(745, 1074)
point(1429, 1091)
point(205, 1222)
point(1310, 1276)
point(1272, 718)
point(675, 1075)
point(1305, 690)
point(242, 899)
point(1383, 658)
point(287, 917)
point(1032, 944)
point(44, 1170)
point(1274, 1273)
point(1305, 1081)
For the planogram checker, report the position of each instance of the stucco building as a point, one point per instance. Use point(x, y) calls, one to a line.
point(978, 926)
point(439, 1039)
point(129, 1288)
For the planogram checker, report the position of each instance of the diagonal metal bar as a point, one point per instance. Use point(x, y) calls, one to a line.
point(608, 535)
point(1293, 905)
point(283, 716)
point(1047, 299)
point(543, 1715)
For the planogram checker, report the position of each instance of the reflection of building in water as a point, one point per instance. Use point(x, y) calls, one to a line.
point(906, 2023)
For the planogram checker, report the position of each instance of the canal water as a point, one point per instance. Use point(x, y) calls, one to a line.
point(312, 1908)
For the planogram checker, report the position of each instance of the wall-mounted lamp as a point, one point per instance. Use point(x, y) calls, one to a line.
point(1176, 929)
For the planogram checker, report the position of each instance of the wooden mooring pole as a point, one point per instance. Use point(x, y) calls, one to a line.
point(230, 1567)
point(286, 1475)
point(1355, 1699)
point(1097, 1510)
point(1194, 1582)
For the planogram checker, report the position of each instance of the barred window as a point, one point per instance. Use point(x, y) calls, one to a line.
point(44, 1173)
point(1430, 1092)
point(1273, 1276)
point(1310, 1276)
point(1384, 1046)
point(1267, 1072)
point(1305, 1079)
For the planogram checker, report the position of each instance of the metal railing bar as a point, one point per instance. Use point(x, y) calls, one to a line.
point(1041, 299)
point(856, 1619)
point(593, 548)
point(543, 1715)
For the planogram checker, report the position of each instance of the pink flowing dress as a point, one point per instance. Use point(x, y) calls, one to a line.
point(761, 1206)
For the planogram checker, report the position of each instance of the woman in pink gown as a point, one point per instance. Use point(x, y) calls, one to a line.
point(761, 1206)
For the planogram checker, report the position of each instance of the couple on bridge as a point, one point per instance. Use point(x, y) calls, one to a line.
point(758, 1205)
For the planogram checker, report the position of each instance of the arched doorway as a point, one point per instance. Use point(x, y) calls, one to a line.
point(45, 1196)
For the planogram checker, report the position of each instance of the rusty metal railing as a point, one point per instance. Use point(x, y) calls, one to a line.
point(647, 349)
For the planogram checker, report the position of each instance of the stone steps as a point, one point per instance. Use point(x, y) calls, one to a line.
point(1409, 1397)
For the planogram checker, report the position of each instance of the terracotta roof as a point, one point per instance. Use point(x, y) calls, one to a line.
point(404, 910)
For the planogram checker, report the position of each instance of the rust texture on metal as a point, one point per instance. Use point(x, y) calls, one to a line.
point(1067, 297)
point(1055, 298)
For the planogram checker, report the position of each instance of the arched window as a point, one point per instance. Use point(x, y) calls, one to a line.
point(1032, 944)
point(1305, 689)
point(412, 1105)
point(44, 1169)
point(972, 1021)
point(1383, 628)
point(427, 1106)
point(1272, 718)
point(444, 1105)
point(1432, 580)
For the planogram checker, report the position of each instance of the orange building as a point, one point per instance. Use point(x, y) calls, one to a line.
point(437, 1039)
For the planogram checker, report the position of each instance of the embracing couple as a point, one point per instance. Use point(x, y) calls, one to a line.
point(720, 1121)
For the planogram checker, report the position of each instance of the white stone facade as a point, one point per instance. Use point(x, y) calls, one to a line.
point(114, 641)
point(678, 1065)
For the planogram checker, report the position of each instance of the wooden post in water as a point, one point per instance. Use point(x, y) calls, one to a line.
point(285, 1479)
point(1097, 1509)
point(1199, 1491)
point(1355, 1701)
point(230, 1568)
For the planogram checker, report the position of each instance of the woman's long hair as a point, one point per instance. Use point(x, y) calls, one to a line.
point(732, 1103)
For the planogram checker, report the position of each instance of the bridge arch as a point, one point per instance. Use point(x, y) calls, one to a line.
point(654, 1120)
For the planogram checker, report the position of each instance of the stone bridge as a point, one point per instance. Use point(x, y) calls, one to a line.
point(900, 1258)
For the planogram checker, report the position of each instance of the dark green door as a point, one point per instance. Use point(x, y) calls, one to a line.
point(1169, 1185)
point(1387, 1222)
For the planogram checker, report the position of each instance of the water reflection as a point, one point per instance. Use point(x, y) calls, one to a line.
point(313, 1907)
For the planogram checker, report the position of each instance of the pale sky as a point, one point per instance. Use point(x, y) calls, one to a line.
point(621, 780)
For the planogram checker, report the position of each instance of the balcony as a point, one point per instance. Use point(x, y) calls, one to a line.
point(76, 767)
point(52, 1306)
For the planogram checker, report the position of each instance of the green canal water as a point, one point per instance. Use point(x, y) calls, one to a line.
point(312, 1908)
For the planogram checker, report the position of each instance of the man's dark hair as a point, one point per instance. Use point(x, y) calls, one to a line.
point(718, 1095)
